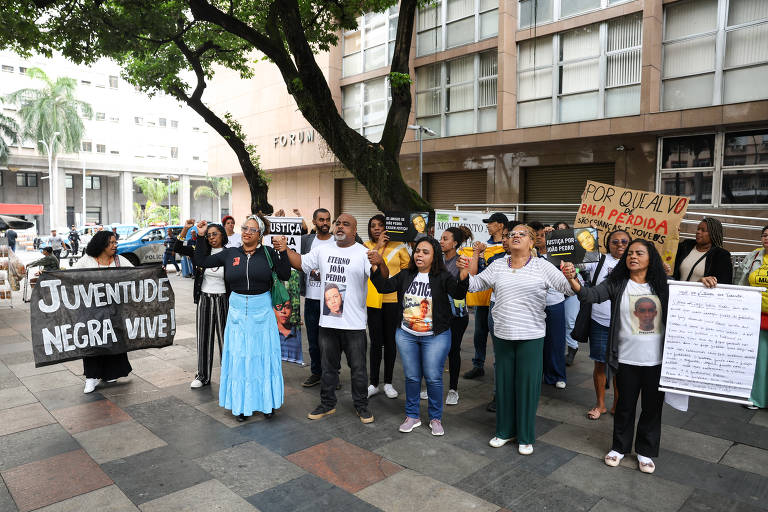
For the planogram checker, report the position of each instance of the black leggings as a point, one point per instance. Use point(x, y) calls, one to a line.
point(458, 326)
point(382, 324)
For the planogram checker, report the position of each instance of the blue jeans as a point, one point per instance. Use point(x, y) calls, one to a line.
point(312, 325)
point(186, 266)
point(170, 258)
point(481, 335)
point(423, 356)
point(554, 344)
point(572, 306)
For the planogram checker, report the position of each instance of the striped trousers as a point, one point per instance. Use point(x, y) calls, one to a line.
point(211, 319)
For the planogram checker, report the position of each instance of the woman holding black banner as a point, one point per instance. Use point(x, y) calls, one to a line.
point(251, 368)
point(753, 271)
point(101, 253)
point(521, 282)
point(639, 294)
point(383, 310)
point(704, 258)
point(210, 295)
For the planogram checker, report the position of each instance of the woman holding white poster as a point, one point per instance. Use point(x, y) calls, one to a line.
point(753, 271)
point(638, 290)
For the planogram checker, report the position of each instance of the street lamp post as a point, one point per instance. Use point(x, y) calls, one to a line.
point(51, 180)
point(421, 129)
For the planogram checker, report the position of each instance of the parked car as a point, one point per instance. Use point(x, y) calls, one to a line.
point(146, 246)
point(124, 230)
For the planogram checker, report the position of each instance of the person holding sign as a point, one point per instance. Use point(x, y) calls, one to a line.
point(704, 258)
point(210, 295)
point(101, 253)
point(423, 336)
point(251, 368)
point(520, 281)
point(383, 310)
point(450, 241)
point(639, 294)
point(344, 269)
point(753, 271)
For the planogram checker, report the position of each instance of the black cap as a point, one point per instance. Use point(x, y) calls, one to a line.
point(497, 217)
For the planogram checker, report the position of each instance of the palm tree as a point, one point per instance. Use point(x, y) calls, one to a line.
point(9, 129)
point(155, 190)
point(216, 189)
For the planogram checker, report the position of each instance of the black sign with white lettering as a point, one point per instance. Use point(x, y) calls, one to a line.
point(407, 227)
point(573, 245)
point(77, 313)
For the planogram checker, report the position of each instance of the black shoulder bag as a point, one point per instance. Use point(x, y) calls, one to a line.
point(582, 325)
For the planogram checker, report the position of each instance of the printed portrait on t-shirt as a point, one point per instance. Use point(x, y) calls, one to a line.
point(333, 300)
point(645, 313)
point(290, 333)
point(417, 307)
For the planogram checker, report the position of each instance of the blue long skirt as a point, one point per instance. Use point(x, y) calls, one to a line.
point(251, 369)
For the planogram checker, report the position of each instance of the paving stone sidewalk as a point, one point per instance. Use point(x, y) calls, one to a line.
point(150, 443)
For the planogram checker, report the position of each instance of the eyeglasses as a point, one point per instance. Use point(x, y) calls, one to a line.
point(212, 234)
point(113, 242)
point(280, 307)
point(513, 234)
point(252, 231)
point(619, 242)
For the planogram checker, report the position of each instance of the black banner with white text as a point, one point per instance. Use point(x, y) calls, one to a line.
point(77, 313)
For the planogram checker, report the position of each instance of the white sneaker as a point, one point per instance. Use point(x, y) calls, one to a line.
point(525, 449)
point(372, 390)
point(498, 442)
point(178, 273)
point(197, 383)
point(560, 384)
point(90, 385)
point(452, 398)
point(390, 391)
point(423, 395)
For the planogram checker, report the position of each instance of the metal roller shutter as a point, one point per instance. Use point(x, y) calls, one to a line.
point(446, 189)
point(562, 184)
point(353, 199)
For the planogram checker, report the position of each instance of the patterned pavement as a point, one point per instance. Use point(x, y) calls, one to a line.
point(150, 443)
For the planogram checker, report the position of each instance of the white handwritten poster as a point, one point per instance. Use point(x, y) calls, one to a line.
point(711, 341)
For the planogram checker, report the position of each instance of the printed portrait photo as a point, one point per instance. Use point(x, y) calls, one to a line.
point(417, 316)
point(645, 313)
point(333, 300)
point(586, 238)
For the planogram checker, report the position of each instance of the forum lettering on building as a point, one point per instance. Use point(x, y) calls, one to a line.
point(79, 313)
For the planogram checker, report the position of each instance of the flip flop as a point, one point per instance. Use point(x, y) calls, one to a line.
point(591, 414)
point(646, 467)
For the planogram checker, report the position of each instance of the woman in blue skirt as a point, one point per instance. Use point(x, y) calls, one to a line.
point(251, 369)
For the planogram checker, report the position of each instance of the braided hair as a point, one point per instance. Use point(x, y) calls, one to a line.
point(715, 229)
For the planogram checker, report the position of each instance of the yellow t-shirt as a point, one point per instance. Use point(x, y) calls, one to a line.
point(481, 298)
point(397, 258)
point(759, 277)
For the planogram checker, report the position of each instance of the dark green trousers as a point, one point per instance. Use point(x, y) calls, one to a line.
point(519, 367)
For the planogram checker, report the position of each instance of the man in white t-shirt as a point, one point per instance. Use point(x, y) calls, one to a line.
point(310, 288)
point(344, 268)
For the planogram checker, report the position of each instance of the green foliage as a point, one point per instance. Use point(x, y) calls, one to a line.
point(237, 128)
point(398, 80)
point(50, 109)
point(9, 130)
point(155, 190)
point(217, 188)
point(154, 214)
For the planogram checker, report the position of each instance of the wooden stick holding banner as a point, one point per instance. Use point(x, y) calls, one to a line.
point(647, 215)
point(78, 313)
point(711, 339)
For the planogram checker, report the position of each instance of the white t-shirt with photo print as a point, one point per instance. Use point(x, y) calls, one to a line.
point(417, 307)
point(344, 274)
point(641, 331)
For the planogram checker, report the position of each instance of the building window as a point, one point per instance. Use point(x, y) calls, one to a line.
point(7, 69)
point(85, 82)
point(112, 82)
point(370, 46)
point(114, 151)
point(717, 169)
point(538, 12)
point(195, 158)
point(597, 73)
point(87, 145)
point(174, 124)
point(458, 96)
point(162, 122)
point(93, 182)
point(449, 23)
point(195, 128)
point(26, 179)
point(713, 54)
point(22, 70)
point(100, 116)
point(93, 215)
point(138, 120)
point(365, 106)
point(114, 119)
point(1, 178)
point(174, 153)
point(68, 182)
point(101, 148)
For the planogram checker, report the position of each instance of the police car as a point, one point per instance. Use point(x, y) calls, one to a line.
point(147, 245)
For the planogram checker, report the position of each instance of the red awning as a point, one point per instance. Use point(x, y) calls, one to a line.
point(20, 209)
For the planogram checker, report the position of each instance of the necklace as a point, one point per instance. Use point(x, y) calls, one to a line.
point(509, 264)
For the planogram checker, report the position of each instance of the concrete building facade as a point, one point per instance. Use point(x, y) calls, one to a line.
point(130, 135)
point(527, 105)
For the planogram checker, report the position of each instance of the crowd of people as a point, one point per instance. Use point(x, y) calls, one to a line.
point(413, 299)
